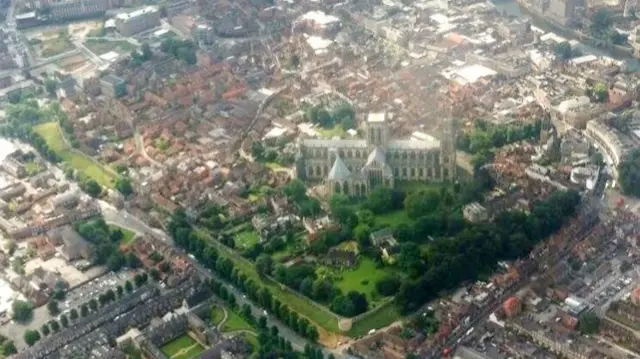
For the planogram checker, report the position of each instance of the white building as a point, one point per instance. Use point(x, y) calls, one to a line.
point(129, 24)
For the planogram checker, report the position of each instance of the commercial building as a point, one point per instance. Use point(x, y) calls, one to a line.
point(77, 9)
point(355, 166)
point(131, 23)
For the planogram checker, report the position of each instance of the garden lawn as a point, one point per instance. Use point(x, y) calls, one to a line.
point(100, 47)
point(336, 131)
point(183, 347)
point(246, 239)
point(253, 340)
point(320, 316)
point(393, 219)
point(50, 132)
point(56, 46)
point(362, 279)
point(235, 322)
point(379, 319)
point(217, 314)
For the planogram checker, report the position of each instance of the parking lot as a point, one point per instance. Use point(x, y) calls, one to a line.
point(93, 288)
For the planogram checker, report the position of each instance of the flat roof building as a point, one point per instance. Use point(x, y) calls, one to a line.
point(131, 23)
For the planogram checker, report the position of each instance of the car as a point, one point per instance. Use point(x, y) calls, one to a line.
point(265, 313)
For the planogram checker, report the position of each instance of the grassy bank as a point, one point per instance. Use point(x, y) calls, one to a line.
point(51, 133)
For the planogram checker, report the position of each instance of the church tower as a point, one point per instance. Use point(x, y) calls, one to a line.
point(448, 150)
point(377, 130)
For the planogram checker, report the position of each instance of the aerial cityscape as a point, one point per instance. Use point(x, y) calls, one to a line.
point(184, 179)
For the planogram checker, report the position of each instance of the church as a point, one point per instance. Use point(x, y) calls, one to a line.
point(356, 166)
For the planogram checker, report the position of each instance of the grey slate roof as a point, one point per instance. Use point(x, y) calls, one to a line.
point(339, 171)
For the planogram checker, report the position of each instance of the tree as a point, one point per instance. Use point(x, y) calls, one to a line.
point(45, 329)
point(562, 50)
point(9, 348)
point(84, 310)
point(64, 320)
point(54, 325)
point(92, 188)
point(93, 304)
point(600, 92)
point(22, 311)
point(597, 159)
point(52, 306)
point(362, 234)
point(257, 151)
point(146, 52)
point(589, 323)
point(128, 286)
point(264, 264)
point(31, 337)
point(123, 185)
point(73, 314)
point(50, 85)
point(295, 190)
point(388, 286)
point(629, 173)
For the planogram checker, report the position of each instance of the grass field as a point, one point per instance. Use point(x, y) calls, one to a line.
point(183, 347)
point(53, 47)
point(246, 239)
point(216, 316)
point(235, 322)
point(320, 316)
point(50, 131)
point(100, 47)
point(362, 279)
point(381, 318)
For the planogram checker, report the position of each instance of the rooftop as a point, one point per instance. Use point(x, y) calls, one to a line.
point(130, 15)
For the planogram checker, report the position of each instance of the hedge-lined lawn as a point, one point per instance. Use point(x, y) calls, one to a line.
point(246, 239)
point(235, 322)
point(183, 347)
point(362, 279)
point(50, 132)
point(381, 318)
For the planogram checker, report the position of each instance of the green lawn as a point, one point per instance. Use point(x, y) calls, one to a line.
point(50, 131)
point(379, 319)
point(183, 347)
point(393, 219)
point(100, 47)
point(320, 316)
point(55, 46)
point(362, 279)
point(336, 131)
point(217, 314)
point(253, 340)
point(246, 239)
point(273, 166)
point(235, 322)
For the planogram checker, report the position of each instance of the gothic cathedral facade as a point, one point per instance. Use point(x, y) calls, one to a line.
point(355, 166)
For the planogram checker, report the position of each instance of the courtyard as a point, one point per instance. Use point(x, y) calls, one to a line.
point(183, 347)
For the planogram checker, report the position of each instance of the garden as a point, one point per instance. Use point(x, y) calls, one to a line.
point(183, 347)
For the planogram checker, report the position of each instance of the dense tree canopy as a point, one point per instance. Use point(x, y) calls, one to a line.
point(629, 174)
point(22, 311)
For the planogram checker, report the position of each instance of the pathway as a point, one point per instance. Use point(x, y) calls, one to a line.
point(224, 319)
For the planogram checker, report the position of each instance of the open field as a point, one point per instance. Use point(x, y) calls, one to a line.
point(362, 279)
point(246, 239)
point(379, 319)
point(235, 322)
point(100, 47)
point(325, 321)
point(183, 347)
point(51, 46)
point(50, 131)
